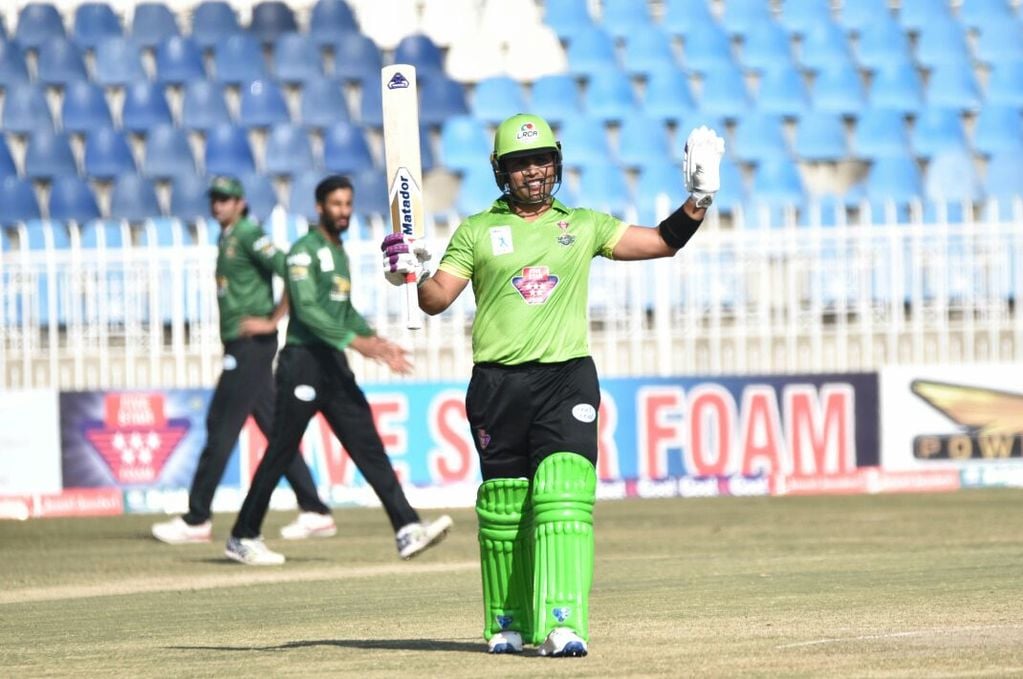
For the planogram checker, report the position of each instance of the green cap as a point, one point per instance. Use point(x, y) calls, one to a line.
point(523, 133)
point(226, 186)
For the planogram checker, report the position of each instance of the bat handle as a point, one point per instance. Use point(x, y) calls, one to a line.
point(413, 316)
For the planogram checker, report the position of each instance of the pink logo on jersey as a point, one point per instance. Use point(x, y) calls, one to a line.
point(535, 284)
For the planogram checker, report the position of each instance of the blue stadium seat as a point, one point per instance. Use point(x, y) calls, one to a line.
point(782, 91)
point(60, 62)
point(920, 15)
point(897, 87)
point(952, 177)
point(857, 16)
point(648, 49)
point(942, 42)
point(84, 108)
point(118, 62)
point(203, 105)
point(168, 153)
point(1004, 177)
point(164, 232)
point(707, 49)
point(657, 179)
point(420, 51)
point(880, 133)
point(322, 103)
point(145, 107)
point(584, 142)
point(228, 151)
point(356, 57)
point(239, 59)
point(724, 93)
point(189, 198)
point(1005, 84)
point(820, 137)
point(7, 165)
point(684, 17)
point(982, 14)
point(476, 191)
point(1000, 42)
point(288, 151)
point(733, 191)
point(766, 46)
point(370, 188)
point(133, 199)
point(555, 98)
point(213, 21)
point(270, 20)
point(152, 23)
point(48, 155)
point(25, 109)
point(262, 104)
point(591, 51)
point(743, 16)
point(38, 23)
point(998, 127)
point(179, 61)
point(13, 68)
point(105, 233)
point(895, 178)
point(301, 194)
point(824, 46)
point(644, 140)
point(107, 154)
point(330, 18)
point(604, 187)
point(494, 97)
point(759, 137)
point(777, 182)
point(667, 94)
point(801, 17)
point(19, 201)
point(370, 105)
point(935, 130)
point(260, 195)
point(440, 98)
point(694, 119)
point(296, 59)
point(464, 144)
point(624, 19)
point(609, 96)
point(567, 17)
point(94, 23)
point(884, 43)
point(72, 199)
point(838, 89)
point(953, 85)
point(345, 149)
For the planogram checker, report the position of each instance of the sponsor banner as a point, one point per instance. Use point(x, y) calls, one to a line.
point(998, 475)
point(966, 418)
point(74, 502)
point(29, 442)
point(868, 480)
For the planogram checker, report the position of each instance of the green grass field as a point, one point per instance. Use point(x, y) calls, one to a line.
point(865, 586)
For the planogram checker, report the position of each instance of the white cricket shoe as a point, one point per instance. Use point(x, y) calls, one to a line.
point(416, 537)
point(563, 643)
point(506, 641)
point(252, 552)
point(177, 532)
point(310, 525)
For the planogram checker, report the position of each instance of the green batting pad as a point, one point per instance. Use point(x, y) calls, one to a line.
point(506, 556)
point(564, 490)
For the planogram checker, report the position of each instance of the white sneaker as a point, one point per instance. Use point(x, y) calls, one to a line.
point(563, 643)
point(177, 532)
point(508, 641)
point(252, 552)
point(416, 537)
point(310, 525)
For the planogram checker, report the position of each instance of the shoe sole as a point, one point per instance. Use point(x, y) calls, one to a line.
point(187, 541)
point(323, 533)
point(238, 557)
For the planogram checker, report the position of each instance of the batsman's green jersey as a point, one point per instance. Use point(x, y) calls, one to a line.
point(531, 279)
point(319, 284)
point(246, 263)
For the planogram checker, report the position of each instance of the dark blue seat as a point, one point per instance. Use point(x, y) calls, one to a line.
point(168, 153)
point(38, 23)
point(288, 150)
point(84, 108)
point(60, 62)
point(189, 198)
point(72, 199)
point(567, 17)
point(203, 105)
point(644, 140)
point(935, 130)
point(270, 20)
point(356, 57)
point(94, 23)
point(555, 98)
point(420, 51)
point(107, 154)
point(322, 103)
point(440, 98)
point(591, 51)
point(296, 59)
point(25, 109)
point(837, 88)
point(766, 46)
point(13, 68)
point(371, 112)
point(179, 61)
point(118, 62)
point(301, 194)
point(464, 143)
point(667, 95)
point(330, 18)
point(152, 23)
point(880, 133)
point(370, 188)
point(228, 151)
point(345, 149)
point(48, 155)
point(262, 104)
point(133, 199)
point(145, 107)
point(998, 127)
point(239, 59)
point(7, 166)
point(260, 195)
point(19, 201)
point(494, 97)
point(213, 21)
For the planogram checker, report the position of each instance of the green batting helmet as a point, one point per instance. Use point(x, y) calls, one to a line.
point(522, 134)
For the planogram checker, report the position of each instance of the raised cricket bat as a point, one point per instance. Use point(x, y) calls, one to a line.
point(404, 169)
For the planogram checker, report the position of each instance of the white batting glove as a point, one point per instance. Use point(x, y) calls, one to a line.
point(404, 255)
point(701, 165)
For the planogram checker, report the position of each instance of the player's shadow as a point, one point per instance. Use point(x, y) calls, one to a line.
point(363, 644)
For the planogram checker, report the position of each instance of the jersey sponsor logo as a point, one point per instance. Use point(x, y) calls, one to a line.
point(326, 259)
point(501, 240)
point(230, 362)
point(584, 412)
point(565, 238)
point(340, 288)
point(535, 284)
point(305, 392)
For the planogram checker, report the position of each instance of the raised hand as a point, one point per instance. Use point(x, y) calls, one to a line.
point(404, 255)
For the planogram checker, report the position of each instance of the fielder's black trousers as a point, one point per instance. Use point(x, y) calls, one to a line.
point(247, 388)
point(313, 379)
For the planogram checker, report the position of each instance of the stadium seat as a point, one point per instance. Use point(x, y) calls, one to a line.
point(694, 119)
point(95, 22)
point(345, 149)
point(766, 46)
point(777, 182)
point(952, 177)
point(1004, 177)
point(370, 188)
point(168, 153)
point(262, 104)
point(164, 232)
point(179, 61)
point(203, 105)
point(417, 49)
point(584, 142)
point(228, 151)
point(25, 109)
point(260, 195)
point(567, 17)
point(942, 42)
point(213, 21)
point(824, 46)
point(133, 199)
point(759, 137)
point(555, 98)
point(590, 52)
point(118, 62)
point(356, 57)
point(152, 23)
point(820, 137)
point(38, 23)
point(708, 49)
point(13, 69)
point(920, 15)
point(330, 18)
point(895, 178)
point(998, 127)
point(897, 87)
point(953, 85)
point(782, 91)
point(84, 108)
point(838, 89)
point(982, 14)
point(667, 94)
point(656, 180)
point(48, 155)
point(857, 16)
point(72, 199)
point(880, 133)
point(60, 62)
point(644, 140)
point(19, 201)
point(603, 186)
point(723, 93)
point(743, 16)
point(145, 107)
point(464, 143)
point(104, 233)
point(800, 17)
point(648, 49)
point(684, 17)
point(884, 44)
point(288, 151)
point(296, 59)
point(7, 166)
point(189, 198)
point(472, 57)
point(624, 19)
point(301, 194)
point(733, 191)
point(609, 96)
point(239, 59)
point(107, 154)
point(322, 103)
point(1005, 84)
point(439, 99)
point(533, 53)
point(935, 130)
point(371, 112)
point(1000, 42)
point(493, 98)
point(270, 20)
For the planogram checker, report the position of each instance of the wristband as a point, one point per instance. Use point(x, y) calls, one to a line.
point(678, 228)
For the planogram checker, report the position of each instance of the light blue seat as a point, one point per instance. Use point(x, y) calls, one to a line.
point(884, 43)
point(330, 18)
point(743, 16)
point(464, 144)
point(998, 127)
point(94, 23)
point(766, 46)
point(13, 69)
point(145, 107)
point(643, 140)
point(591, 51)
point(982, 14)
point(694, 119)
point(1005, 84)
point(356, 56)
point(133, 199)
point(567, 17)
point(440, 98)
point(1000, 42)
point(107, 154)
point(288, 150)
point(584, 142)
point(556, 98)
point(782, 91)
point(239, 59)
point(658, 183)
point(345, 149)
point(152, 23)
point(820, 137)
point(25, 109)
point(270, 20)
point(724, 93)
point(603, 186)
point(777, 181)
point(609, 96)
point(228, 151)
point(800, 17)
point(824, 46)
point(48, 155)
point(260, 195)
point(422, 52)
point(213, 21)
point(952, 177)
point(7, 165)
point(494, 98)
point(179, 61)
point(733, 191)
point(104, 233)
point(72, 199)
point(322, 103)
point(920, 15)
point(168, 153)
point(1003, 183)
point(758, 136)
point(623, 19)
point(667, 95)
point(942, 42)
point(897, 87)
point(838, 89)
point(84, 108)
point(296, 59)
point(880, 133)
point(118, 62)
point(894, 178)
point(19, 201)
point(937, 129)
point(648, 48)
point(686, 17)
point(60, 62)
point(38, 23)
point(203, 105)
point(262, 104)
point(189, 198)
point(707, 49)
point(953, 84)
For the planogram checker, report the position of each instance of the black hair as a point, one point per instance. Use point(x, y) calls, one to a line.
point(331, 184)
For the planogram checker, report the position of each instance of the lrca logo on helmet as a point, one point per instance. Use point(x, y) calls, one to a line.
point(527, 131)
point(405, 196)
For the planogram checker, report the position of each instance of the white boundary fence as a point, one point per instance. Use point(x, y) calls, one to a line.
point(792, 298)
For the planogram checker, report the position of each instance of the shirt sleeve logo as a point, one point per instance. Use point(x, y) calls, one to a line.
point(501, 240)
point(535, 284)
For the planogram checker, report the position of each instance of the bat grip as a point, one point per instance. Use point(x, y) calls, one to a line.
point(413, 316)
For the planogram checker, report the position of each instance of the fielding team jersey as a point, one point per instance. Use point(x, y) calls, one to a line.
point(319, 285)
point(246, 263)
point(531, 279)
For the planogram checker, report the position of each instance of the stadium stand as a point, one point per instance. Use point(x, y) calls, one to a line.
point(107, 154)
point(152, 23)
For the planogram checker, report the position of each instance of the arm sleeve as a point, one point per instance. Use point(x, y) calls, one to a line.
point(301, 282)
point(458, 258)
point(358, 324)
point(609, 231)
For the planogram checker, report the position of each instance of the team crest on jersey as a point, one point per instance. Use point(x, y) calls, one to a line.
point(565, 238)
point(535, 284)
point(340, 287)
